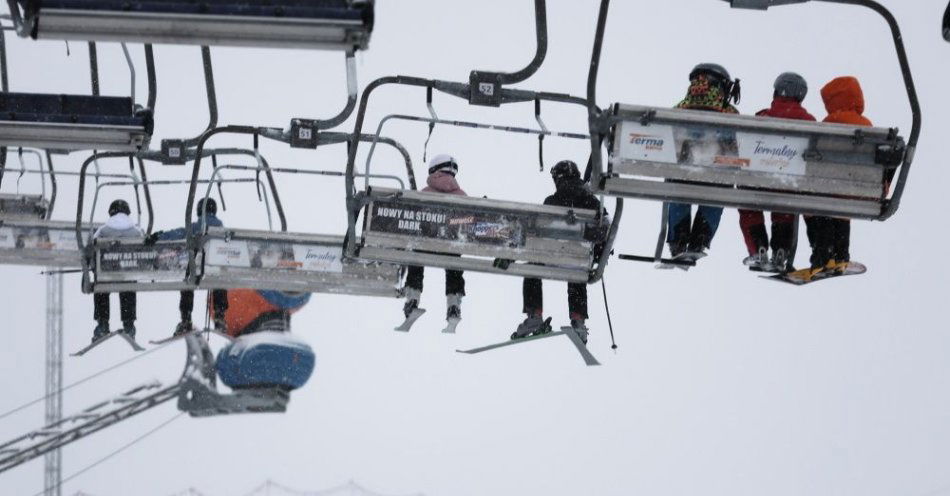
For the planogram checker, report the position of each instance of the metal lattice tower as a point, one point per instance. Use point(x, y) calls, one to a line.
point(52, 471)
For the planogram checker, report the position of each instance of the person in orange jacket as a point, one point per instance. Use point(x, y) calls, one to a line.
point(830, 238)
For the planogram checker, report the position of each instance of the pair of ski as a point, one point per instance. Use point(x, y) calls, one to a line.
point(450, 324)
point(568, 331)
point(805, 277)
point(683, 261)
point(136, 346)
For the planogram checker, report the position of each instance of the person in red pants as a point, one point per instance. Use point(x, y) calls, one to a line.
point(790, 91)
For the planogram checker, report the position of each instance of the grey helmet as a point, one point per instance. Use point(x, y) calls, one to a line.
point(791, 85)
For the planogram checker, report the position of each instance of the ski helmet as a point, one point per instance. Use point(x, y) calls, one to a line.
point(718, 72)
point(791, 85)
point(565, 169)
point(443, 163)
point(119, 206)
point(206, 206)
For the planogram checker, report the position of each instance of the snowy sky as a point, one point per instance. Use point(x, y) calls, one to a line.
point(723, 383)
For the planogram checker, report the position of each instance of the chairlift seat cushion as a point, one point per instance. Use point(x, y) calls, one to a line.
point(266, 359)
point(72, 109)
point(314, 9)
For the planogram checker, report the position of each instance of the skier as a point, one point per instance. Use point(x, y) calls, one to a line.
point(119, 225)
point(570, 192)
point(442, 171)
point(790, 91)
point(830, 237)
point(711, 89)
point(206, 210)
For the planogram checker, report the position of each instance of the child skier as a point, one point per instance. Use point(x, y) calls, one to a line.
point(119, 225)
point(830, 238)
point(206, 210)
point(573, 193)
point(790, 91)
point(711, 88)
point(442, 172)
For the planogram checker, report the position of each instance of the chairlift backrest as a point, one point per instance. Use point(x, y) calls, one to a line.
point(22, 206)
point(315, 24)
point(773, 164)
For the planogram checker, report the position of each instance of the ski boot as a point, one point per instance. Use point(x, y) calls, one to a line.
point(128, 328)
point(780, 262)
point(453, 312)
point(533, 325)
point(183, 327)
point(411, 309)
point(101, 330)
point(220, 326)
point(579, 326)
point(759, 261)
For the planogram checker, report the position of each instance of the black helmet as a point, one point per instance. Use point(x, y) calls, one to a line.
point(731, 90)
point(119, 206)
point(791, 85)
point(717, 71)
point(565, 169)
point(206, 206)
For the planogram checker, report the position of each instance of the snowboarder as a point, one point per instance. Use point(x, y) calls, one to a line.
point(442, 171)
point(790, 91)
point(830, 237)
point(206, 210)
point(119, 225)
point(711, 89)
point(570, 192)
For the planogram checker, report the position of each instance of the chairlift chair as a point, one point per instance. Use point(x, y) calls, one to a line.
point(470, 233)
point(224, 258)
point(77, 122)
point(315, 24)
point(759, 163)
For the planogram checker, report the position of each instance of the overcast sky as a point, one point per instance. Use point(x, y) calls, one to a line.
point(723, 383)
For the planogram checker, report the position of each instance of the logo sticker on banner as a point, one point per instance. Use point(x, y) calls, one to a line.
point(233, 253)
point(772, 153)
point(6, 238)
point(652, 143)
point(320, 258)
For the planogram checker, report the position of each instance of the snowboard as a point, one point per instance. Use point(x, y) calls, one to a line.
point(799, 279)
point(410, 320)
point(128, 339)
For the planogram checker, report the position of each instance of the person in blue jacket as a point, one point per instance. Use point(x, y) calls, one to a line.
point(206, 211)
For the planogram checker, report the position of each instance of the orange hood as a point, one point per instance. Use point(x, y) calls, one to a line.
point(844, 101)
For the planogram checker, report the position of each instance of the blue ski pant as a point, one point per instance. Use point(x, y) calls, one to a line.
point(678, 222)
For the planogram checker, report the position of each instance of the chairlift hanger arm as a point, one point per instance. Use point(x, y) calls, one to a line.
point(946, 24)
point(484, 85)
point(82, 191)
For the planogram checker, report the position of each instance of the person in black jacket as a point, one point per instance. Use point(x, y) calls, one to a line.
point(571, 192)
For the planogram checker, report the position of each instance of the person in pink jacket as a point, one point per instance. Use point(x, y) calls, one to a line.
point(442, 171)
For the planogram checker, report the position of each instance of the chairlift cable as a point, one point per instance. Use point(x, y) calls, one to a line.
point(82, 381)
point(114, 452)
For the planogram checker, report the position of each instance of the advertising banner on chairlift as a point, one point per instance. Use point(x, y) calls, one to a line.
point(773, 153)
point(274, 255)
point(653, 143)
point(38, 238)
point(161, 257)
point(449, 223)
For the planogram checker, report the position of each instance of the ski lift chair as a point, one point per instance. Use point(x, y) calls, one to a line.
point(749, 162)
point(28, 235)
point(469, 233)
point(225, 258)
point(77, 122)
point(318, 24)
